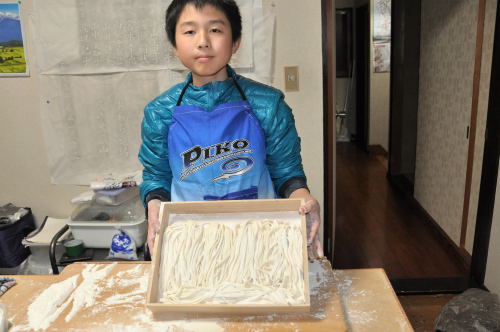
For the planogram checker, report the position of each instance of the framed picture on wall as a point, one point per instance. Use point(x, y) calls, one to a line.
point(382, 57)
point(12, 51)
point(381, 36)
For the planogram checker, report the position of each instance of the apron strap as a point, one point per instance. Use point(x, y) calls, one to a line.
point(240, 90)
point(184, 91)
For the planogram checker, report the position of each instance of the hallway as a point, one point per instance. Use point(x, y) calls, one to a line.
point(376, 226)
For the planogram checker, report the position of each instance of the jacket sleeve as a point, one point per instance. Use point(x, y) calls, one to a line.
point(283, 150)
point(153, 154)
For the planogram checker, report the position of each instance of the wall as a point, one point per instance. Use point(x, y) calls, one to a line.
point(299, 25)
point(24, 173)
point(379, 100)
point(492, 281)
point(447, 47)
point(447, 59)
point(379, 107)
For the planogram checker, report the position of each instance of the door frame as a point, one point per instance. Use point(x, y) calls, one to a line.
point(489, 173)
point(362, 77)
point(329, 130)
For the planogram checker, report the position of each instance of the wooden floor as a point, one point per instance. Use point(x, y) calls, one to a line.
point(376, 226)
point(422, 310)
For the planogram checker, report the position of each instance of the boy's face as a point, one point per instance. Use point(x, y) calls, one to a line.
point(204, 43)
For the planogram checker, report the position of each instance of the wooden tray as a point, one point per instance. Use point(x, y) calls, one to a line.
point(273, 208)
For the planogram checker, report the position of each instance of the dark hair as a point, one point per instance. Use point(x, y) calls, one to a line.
point(228, 7)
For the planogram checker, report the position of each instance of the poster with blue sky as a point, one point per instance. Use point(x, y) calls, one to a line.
point(12, 55)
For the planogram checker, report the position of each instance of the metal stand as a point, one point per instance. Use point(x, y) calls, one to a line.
point(52, 249)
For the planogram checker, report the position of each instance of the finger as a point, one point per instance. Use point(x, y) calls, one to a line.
point(151, 235)
point(153, 221)
point(151, 243)
point(318, 246)
point(311, 254)
point(314, 230)
point(306, 207)
point(154, 225)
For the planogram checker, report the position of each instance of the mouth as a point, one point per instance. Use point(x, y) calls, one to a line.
point(204, 58)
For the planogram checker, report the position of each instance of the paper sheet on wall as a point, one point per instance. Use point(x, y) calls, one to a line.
point(94, 36)
point(382, 58)
point(263, 20)
point(382, 20)
point(91, 123)
point(98, 72)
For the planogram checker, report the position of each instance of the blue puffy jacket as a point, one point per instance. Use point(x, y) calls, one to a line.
point(276, 119)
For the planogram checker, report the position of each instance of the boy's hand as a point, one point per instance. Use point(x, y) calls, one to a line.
point(312, 211)
point(153, 222)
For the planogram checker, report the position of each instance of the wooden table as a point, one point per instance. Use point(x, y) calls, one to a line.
point(111, 296)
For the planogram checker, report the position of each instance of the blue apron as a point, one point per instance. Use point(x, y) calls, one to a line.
point(218, 155)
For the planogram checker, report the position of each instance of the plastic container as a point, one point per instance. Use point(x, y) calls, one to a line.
point(74, 247)
point(96, 224)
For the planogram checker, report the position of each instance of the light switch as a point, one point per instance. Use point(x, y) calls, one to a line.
point(292, 78)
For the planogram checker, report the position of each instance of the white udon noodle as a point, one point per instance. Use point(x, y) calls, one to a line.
point(255, 262)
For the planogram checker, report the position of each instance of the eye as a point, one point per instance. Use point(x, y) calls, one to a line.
point(188, 32)
point(216, 30)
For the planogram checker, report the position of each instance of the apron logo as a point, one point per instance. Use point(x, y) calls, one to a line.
point(234, 167)
point(211, 154)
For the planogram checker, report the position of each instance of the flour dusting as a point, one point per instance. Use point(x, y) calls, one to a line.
point(84, 296)
point(125, 279)
point(56, 298)
point(354, 314)
point(205, 325)
point(49, 304)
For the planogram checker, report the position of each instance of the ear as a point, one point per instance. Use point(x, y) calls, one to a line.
point(236, 45)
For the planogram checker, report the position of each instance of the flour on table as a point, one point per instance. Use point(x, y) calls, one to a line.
point(56, 298)
point(133, 278)
point(50, 303)
point(354, 315)
point(84, 296)
point(206, 325)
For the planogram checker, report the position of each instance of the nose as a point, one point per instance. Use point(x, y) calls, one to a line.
point(203, 41)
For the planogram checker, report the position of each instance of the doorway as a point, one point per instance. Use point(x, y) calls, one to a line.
point(397, 197)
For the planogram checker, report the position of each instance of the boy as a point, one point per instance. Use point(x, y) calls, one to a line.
point(218, 135)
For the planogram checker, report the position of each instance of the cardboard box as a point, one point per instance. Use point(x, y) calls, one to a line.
point(242, 210)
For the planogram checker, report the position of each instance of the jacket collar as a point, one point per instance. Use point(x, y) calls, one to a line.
point(230, 74)
point(211, 94)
